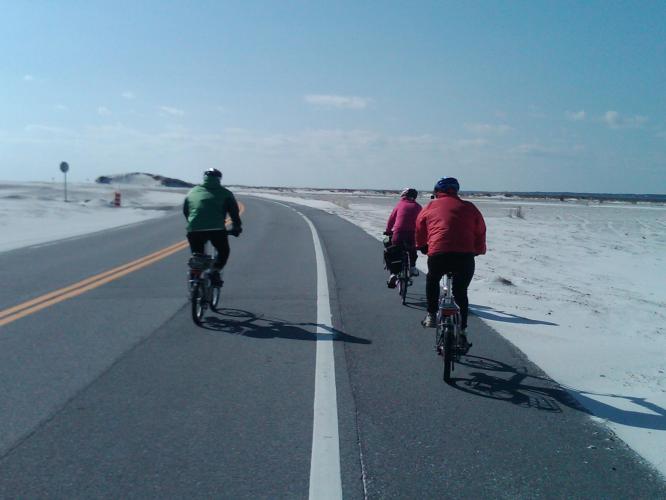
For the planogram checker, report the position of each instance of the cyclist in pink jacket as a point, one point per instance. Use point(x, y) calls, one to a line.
point(401, 225)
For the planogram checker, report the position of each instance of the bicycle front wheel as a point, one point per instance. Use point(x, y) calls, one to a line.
point(197, 301)
point(449, 346)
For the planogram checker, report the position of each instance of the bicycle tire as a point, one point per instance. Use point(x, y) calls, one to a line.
point(197, 302)
point(404, 280)
point(449, 346)
point(215, 297)
point(402, 289)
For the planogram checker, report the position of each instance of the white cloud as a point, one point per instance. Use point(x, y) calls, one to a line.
point(28, 78)
point(487, 128)
point(171, 111)
point(535, 149)
point(128, 95)
point(337, 101)
point(576, 116)
point(103, 111)
point(613, 119)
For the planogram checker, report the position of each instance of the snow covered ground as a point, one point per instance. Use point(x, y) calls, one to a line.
point(579, 287)
point(34, 213)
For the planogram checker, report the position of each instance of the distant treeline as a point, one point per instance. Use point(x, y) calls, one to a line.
point(562, 196)
point(600, 197)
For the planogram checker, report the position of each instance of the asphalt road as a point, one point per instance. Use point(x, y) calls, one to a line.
point(116, 393)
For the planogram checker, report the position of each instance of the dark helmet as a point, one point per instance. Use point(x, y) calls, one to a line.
point(446, 183)
point(410, 193)
point(213, 172)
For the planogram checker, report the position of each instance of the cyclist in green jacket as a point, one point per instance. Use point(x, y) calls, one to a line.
point(206, 208)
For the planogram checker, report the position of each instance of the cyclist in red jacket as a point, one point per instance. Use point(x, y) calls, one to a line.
point(452, 232)
point(400, 226)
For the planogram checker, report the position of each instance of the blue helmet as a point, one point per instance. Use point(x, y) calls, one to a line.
point(446, 183)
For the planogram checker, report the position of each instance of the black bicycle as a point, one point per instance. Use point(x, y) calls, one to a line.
point(397, 256)
point(449, 342)
point(404, 276)
point(203, 293)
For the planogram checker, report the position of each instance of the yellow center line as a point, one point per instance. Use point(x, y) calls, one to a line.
point(49, 299)
point(37, 304)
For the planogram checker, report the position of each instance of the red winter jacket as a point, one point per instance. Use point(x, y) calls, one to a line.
point(449, 224)
point(402, 221)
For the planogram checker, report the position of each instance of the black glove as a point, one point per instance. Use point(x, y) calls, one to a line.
point(236, 231)
point(424, 249)
point(387, 233)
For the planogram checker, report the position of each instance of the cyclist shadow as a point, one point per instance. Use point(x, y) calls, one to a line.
point(488, 313)
point(247, 324)
point(416, 301)
point(497, 380)
point(500, 381)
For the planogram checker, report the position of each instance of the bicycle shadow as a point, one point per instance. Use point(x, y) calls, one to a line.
point(415, 300)
point(488, 313)
point(497, 380)
point(248, 324)
point(529, 390)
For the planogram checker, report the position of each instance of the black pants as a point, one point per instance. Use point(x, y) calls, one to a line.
point(462, 267)
point(219, 239)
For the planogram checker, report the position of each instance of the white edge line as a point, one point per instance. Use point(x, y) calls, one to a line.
point(325, 476)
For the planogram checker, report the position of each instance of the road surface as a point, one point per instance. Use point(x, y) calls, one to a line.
point(108, 389)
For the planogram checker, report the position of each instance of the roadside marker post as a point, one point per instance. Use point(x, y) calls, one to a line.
point(116, 199)
point(64, 167)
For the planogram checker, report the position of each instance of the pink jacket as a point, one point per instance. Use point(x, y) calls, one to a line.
point(449, 224)
point(402, 221)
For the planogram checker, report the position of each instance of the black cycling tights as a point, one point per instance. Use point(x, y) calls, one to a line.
point(219, 239)
point(462, 267)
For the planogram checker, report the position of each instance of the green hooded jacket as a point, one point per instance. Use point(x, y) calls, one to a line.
point(207, 205)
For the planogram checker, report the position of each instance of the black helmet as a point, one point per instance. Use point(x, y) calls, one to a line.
point(410, 193)
point(446, 183)
point(213, 172)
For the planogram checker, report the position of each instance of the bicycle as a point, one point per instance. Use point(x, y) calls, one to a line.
point(399, 255)
point(202, 291)
point(449, 342)
point(404, 276)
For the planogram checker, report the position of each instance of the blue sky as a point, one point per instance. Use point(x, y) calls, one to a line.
point(522, 96)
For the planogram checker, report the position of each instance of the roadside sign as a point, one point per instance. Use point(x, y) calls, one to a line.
point(64, 167)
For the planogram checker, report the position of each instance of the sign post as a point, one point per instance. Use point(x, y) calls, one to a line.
point(64, 167)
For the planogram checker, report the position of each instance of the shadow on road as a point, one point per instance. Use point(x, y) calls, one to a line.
point(488, 313)
point(240, 322)
point(497, 380)
point(415, 300)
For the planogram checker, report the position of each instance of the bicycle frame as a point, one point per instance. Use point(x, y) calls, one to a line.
point(447, 336)
point(202, 292)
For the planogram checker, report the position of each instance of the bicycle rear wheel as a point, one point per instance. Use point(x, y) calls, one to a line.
point(197, 302)
point(215, 297)
point(449, 346)
point(404, 279)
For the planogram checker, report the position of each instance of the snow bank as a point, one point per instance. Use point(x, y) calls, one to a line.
point(35, 213)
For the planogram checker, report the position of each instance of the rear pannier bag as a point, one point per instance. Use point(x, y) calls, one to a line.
point(393, 258)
